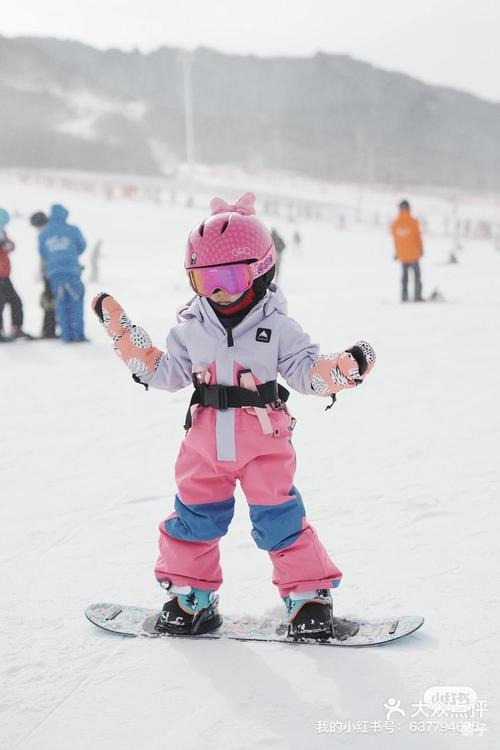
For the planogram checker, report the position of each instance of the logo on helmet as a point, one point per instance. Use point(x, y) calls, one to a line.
point(241, 251)
point(262, 267)
point(194, 258)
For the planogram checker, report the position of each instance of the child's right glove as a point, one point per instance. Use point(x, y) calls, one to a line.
point(132, 344)
point(332, 373)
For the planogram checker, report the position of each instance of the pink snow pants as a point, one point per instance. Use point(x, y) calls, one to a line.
point(204, 507)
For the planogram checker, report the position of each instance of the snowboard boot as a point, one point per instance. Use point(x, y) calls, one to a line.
point(18, 333)
point(309, 615)
point(189, 611)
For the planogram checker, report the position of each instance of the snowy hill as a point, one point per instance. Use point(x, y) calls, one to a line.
point(73, 106)
point(401, 478)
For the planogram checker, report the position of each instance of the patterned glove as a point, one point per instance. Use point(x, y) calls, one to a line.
point(131, 343)
point(332, 373)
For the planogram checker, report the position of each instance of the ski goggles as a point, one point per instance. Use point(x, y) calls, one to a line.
point(232, 279)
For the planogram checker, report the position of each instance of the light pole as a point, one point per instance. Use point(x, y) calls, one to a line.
point(186, 60)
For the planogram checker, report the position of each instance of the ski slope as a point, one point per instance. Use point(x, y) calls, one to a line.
point(401, 479)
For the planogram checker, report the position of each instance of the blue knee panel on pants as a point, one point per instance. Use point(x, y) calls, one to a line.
point(278, 526)
point(200, 522)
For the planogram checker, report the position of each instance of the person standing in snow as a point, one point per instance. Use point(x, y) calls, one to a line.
point(61, 245)
point(8, 295)
point(47, 303)
point(408, 249)
point(297, 240)
point(94, 262)
point(233, 338)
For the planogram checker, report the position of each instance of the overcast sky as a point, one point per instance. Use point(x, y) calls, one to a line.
point(450, 42)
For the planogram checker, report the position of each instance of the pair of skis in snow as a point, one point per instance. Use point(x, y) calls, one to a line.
point(137, 621)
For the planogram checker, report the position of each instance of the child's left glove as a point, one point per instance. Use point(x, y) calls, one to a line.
point(332, 373)
point(132, 344)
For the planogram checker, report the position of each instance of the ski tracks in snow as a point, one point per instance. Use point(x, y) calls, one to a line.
point(79, 685)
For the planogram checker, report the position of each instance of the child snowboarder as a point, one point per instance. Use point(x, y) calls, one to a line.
point(232, 339)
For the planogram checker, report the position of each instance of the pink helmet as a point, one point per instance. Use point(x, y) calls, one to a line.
point(231, 234)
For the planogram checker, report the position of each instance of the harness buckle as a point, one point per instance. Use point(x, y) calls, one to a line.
point(278, 405)
point(222, 397)
point(215, 396)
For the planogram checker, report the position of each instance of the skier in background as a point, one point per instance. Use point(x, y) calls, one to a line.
point(8, 295)
point(95, 257)
point(232, 339)
point(279, 244)
point(409, 249)
point(61, 245)
point(297, 240)
point(39, 220)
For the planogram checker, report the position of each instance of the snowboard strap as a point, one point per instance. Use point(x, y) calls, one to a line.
point(235, 397)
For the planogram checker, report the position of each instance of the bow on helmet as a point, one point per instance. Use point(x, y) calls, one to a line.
point(244, 205)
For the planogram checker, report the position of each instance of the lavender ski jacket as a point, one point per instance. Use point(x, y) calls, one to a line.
point(267, 342)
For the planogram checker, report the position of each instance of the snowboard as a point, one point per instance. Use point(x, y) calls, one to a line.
point(24, 337)
point(137, 621)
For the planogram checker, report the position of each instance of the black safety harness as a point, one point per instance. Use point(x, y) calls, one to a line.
point(234, 396)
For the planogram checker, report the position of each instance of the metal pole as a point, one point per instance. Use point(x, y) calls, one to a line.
point(187, 61)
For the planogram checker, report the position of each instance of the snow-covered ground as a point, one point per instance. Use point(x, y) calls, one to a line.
point(401, 479)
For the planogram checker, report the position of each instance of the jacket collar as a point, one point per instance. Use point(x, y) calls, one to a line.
point(198, 307)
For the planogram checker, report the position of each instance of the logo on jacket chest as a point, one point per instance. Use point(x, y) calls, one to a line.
point(263, 334)
point(56, 244)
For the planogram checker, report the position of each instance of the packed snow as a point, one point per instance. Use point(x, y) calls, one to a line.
point(401, 479)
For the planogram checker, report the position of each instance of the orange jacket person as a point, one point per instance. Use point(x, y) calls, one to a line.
point(408, 243)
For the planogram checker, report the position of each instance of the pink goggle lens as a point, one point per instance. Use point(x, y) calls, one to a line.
point(231, 279)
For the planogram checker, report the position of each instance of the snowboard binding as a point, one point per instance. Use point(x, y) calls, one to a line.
point(190, 611)
point(310, 616)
